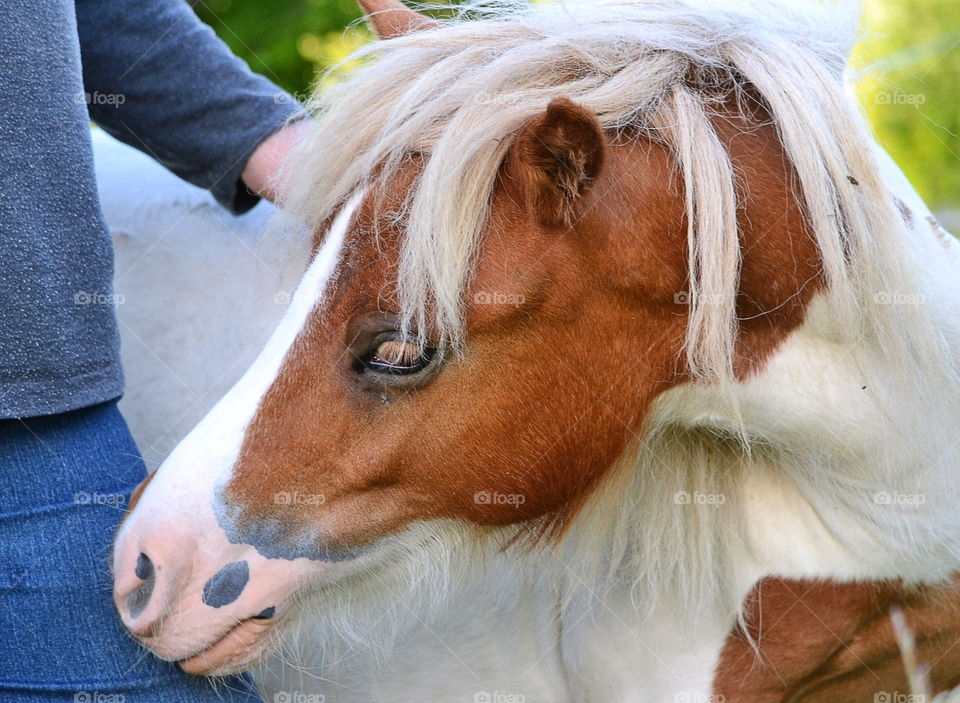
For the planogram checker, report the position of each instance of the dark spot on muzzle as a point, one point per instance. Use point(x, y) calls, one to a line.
point(274, 539)
point(226, 585)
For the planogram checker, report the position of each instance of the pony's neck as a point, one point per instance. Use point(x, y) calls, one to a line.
point(830, 462)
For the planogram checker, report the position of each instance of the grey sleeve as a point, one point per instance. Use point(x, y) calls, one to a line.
point(160, 80)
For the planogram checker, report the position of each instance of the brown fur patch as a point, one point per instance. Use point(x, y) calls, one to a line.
point(826, 642)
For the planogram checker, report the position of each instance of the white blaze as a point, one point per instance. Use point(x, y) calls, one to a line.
point(205, 457)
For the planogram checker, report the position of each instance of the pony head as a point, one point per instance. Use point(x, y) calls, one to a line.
point(529, 226)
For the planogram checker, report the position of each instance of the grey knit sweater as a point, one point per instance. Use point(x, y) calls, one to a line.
point(151, 74)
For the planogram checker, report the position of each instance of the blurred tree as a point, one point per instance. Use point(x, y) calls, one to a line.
point(289, 41)
point(910, 88)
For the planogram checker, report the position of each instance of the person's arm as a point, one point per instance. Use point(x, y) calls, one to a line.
point(263, 166)
point(159, 79)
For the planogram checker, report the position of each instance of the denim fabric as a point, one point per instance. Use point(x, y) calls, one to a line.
point(64, 484)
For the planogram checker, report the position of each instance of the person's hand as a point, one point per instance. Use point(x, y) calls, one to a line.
point(262, 169)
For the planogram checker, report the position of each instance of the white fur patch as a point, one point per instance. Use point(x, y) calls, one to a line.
point(205, 458)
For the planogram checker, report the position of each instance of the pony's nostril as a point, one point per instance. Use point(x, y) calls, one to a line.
point(137, 599)
point(226, 585)
point(144, 567)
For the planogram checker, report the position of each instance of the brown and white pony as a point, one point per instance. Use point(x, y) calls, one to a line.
point(620, 338)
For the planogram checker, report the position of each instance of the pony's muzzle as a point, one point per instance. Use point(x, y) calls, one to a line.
point(191, 596)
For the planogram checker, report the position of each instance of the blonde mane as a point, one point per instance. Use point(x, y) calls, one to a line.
point(460, 93)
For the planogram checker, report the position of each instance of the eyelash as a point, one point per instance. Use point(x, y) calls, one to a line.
point(376, 362)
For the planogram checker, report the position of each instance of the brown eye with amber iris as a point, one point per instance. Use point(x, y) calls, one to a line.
point(399, 357)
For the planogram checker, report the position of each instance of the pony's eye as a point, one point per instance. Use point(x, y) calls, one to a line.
point(399, 357)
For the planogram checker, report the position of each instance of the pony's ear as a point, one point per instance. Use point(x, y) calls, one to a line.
point(555, 159)
point(391, 18)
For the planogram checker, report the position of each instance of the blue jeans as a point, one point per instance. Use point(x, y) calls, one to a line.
point(64, 484)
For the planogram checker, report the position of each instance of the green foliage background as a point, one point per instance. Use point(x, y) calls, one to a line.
point(909, 59)
point(289, 41)
point(911, 90)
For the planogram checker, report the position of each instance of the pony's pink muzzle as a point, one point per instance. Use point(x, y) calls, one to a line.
point(188, 594)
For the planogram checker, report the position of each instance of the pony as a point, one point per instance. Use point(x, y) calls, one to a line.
point(616, 319)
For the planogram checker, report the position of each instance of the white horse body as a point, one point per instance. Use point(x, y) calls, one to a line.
point(547, 624)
